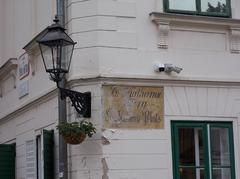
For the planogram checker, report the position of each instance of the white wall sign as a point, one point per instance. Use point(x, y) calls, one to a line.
point(23, 89)
point(23, 62)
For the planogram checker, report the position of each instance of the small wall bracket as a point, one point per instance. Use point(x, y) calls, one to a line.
point(235, 40)
point(80, 101)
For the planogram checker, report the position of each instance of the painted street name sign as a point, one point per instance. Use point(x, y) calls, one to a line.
point(133, 107)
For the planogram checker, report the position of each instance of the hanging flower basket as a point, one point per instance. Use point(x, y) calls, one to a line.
point(74, 139)
point(76, 132)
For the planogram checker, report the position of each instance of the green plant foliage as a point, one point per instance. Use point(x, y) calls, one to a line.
point(76, 128)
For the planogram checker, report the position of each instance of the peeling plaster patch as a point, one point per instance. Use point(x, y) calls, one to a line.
point(105, 141)
point(109, 130)
point(84, 161)
point(113, 130)
point(105, 169)
point(107, 133)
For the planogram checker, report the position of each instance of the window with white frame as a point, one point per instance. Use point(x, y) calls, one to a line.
point(221, 8)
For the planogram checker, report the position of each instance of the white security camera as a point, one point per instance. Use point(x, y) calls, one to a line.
point(168, 68)
point(159, 67)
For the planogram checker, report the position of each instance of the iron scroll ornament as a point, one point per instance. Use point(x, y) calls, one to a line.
point(80, 101)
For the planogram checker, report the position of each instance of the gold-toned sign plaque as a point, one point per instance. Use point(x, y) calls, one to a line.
point(133, 107)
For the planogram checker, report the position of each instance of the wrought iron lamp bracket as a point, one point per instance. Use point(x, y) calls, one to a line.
point(80, 101)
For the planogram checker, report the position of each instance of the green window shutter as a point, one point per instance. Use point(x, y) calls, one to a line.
point(7, 161)
point(48, 154)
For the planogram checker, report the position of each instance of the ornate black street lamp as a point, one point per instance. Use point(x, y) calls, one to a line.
point(56, 49)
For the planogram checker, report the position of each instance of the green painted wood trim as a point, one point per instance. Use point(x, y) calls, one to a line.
point(165, 5)
point(7, 161)
point(173, 132)
point(228, 14)
point(175, 125)
point(190, 166)
point(48, 154)
point(198, 5)
point(232, 156)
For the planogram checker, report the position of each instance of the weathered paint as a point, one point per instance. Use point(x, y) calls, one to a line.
point(133, 107)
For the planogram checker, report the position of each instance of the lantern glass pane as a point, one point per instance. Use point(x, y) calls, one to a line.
point(67, 51)
point(185, 5)
point(47, 56)
point(52, 57)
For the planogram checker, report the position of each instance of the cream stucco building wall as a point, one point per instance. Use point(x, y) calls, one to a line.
point(118, 43)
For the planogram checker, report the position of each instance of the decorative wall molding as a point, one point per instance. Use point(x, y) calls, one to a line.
point(202, 101)
point(33, 63)
point(193, 19)
point(235, 40)
point(164, 21)
point(8, 69)
point(163, 29)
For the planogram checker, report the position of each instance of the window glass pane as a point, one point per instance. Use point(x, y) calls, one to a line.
point(67, 52)
point(191, 173)
point(221, 173)
point(214, 6)
point(191, 146)
point(184, 5)
point(220, 147)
